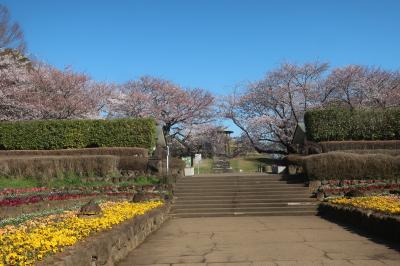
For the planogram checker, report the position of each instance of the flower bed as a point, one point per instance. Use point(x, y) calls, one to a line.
point(28, 199)
point(378, 215)
point(328, 188)
point(15, 220)
point(32, 240)
point(17, 191)
point(16, 197)
point(12, 192)
point(385, 204)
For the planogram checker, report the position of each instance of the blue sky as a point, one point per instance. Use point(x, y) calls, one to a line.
point(212, 44)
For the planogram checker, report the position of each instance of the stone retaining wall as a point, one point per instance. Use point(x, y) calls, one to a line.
point(383, 225)
point(109, 247)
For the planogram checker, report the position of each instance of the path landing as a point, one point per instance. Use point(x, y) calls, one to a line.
point(277, 240)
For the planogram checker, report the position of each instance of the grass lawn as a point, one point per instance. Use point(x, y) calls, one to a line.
point(206, 166)
point(250, 163)
point(72, 181)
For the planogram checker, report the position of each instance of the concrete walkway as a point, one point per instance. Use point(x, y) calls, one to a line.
point(290, 240)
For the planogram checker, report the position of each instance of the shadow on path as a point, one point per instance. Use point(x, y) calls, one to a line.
point(363, 232)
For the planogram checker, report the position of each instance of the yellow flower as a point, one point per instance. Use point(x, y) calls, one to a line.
point(34, 239)
point(385, 204)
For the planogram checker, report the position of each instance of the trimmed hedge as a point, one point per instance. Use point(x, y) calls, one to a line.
point(133, 164)
point(341, 165)
point(377, 151)
point(59, 166)
point(117, 151)
point(358, 124)
point(63, 134)
point(328, 146)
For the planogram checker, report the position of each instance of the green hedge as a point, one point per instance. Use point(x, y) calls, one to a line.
point(63, 134)
point(59, 166)
point(342, 165)
point(328, 146)
point(117, 151)
point(359, 124)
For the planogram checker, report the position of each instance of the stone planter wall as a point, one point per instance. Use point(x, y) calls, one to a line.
point(386, 226)
point(109, 247)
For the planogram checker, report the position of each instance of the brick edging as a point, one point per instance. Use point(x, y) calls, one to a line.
point(110, 246)
point(383, 225)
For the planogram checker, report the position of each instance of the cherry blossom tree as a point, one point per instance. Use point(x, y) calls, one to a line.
point(65, 94)
point(200, 139)
point(11, 35)
point(242, 145)
point(15, 100)
point(357, 86)
point(176, 108)
point(39, 91)
point(268, 111)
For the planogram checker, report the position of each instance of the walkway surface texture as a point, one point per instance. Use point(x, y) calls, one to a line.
point(271, 240)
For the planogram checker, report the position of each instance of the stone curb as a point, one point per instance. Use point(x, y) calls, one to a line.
point(110, 246)
point(383, 225)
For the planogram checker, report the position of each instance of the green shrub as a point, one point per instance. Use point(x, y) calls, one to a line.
point(133, 164)
point(358, 124)
point(176, 163)
point(117, 151)
point(63, 134)
point(392, 145)
point(59, 166)
point(377, 151)
point(135, 159)
point(341, 165)
point(147, 180)
point(22, 182)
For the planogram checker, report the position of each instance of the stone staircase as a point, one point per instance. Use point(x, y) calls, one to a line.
point(236, 194)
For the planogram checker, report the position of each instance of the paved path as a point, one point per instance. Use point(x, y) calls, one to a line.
point(293, 240)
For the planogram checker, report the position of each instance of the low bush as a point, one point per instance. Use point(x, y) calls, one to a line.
point(294, 159)
point(59, 166)
point(359, 124)
point(341, 165)
point(117, 151)
point(133, 164)
point(63, 134)
point(176, 163)
point(378, 151)
point(328, 146)
point(17, 183)
point(147, 180)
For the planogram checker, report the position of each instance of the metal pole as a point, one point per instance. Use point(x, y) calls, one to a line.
point(167, 160)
